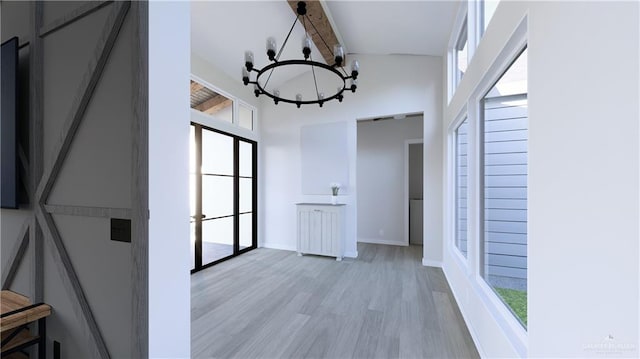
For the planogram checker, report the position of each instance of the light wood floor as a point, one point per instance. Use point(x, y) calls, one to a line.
point(273, 304)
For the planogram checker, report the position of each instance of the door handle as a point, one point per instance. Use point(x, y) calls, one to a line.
point(202, 216)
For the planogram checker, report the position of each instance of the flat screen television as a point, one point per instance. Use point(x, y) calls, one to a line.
point(9, 124)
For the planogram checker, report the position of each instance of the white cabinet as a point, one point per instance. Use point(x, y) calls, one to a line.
point(321, 229)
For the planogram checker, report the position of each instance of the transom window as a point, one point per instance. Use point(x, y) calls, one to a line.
point(221, 107)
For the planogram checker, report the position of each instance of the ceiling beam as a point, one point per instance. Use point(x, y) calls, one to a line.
point(195, 87)
point(214, 104)
point(321, 22)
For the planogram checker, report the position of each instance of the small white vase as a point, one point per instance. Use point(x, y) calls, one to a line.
point(334, 199)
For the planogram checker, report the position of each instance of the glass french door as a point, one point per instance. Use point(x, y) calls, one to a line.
point(223, 192)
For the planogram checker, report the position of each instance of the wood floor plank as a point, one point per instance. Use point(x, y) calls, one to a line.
point(273, 304)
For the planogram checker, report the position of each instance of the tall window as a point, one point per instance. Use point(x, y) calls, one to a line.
point(487, 8)
point(504, 180)
point(461, 188)
point(461, 54)
point(223, 196)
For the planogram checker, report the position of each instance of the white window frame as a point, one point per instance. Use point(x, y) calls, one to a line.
point(452, 52)
point(452, 191)
point(510, 325)
point(232, 127)
point(236, 119)
point(480, 18)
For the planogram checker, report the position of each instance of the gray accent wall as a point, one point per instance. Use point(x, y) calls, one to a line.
point(96, 172)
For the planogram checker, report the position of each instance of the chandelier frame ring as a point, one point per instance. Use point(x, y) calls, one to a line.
point(277, 64)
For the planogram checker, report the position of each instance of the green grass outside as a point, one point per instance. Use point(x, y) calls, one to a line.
point(517, 300)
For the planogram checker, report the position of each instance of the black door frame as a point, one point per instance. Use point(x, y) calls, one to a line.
point(198, 218)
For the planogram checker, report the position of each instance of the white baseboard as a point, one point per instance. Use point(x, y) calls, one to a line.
point(431, 263)
point(353, 254)
point(282, 247)
point(381, 241)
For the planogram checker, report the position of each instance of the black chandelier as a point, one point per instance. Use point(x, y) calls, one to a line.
point(335, 69)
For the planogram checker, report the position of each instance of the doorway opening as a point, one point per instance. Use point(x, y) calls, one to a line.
point(223, 196)
point(382, 177)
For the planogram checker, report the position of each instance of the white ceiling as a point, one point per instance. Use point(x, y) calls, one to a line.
point(222, 30)
point(394, 27)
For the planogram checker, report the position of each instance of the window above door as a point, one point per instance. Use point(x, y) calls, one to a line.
point(220, 106)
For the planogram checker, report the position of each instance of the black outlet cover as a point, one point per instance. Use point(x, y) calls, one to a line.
point(121, 230)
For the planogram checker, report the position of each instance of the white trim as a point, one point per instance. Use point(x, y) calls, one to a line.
point(474, 23)
point(452, 65)
point(516, 43)
point(406, 186)
point(450, 192)
point(353, 254)
point(465, 317)
point(513, 330)
point(382, 241)
point(431, 263)
point(279, 246)
point(210, 121)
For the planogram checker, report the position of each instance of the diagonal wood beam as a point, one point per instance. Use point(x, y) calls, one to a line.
point(322, 30)
point(15, 258)
point(24, 172)
point(85, 92)
point(70, 280)
point(86, 9)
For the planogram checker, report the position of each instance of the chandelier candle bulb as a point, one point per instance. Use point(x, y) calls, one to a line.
point(271, 48)
point(248, 60)
point(298, 100)
point(338, 54)
point(256, 90)
point(321, 98)
point(245, 76)
point(306, 46)
point(276, 93)
point(355, 68)
point(354, 85)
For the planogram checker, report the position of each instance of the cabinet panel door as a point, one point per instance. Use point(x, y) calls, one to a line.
point(304, 230)
point(316, 232)
point(327, 232)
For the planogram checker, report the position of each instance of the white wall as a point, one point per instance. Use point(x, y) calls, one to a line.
point(381, 178)
point(388, 85)
point(169, 257)
point(583, 183)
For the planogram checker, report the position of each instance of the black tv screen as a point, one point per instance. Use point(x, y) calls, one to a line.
point(8, 124)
